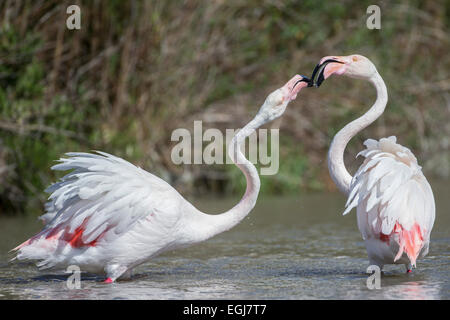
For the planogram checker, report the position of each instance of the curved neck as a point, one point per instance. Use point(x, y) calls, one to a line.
point(218, 223)
point(336, 165)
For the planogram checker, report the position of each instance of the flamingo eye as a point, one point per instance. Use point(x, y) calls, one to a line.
point(354, 59)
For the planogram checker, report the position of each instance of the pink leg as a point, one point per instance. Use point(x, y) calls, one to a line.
point(113, 272)
point(108, 280)
point(408, 268)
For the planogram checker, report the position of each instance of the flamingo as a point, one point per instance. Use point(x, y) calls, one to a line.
point(393, 199)
point(108, 216)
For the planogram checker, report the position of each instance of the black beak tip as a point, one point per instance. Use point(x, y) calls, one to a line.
point(304, 79)
point(318, 71)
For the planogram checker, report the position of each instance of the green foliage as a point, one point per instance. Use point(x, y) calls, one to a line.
point(139, 69)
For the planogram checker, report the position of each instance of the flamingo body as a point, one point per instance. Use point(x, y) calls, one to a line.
point(111, 214)
point(394, 204)
point(108, 216)
point(394, 201)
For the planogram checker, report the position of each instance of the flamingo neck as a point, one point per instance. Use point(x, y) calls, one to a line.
point(336, 165)
point(222, 222)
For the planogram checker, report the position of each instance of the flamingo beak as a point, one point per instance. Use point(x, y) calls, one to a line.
point(304, 79)
point(319, 74)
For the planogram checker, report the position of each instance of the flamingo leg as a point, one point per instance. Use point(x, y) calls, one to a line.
point(408, 268)
point(114, 271)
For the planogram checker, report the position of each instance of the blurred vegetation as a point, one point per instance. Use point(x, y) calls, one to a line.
point(137, 70)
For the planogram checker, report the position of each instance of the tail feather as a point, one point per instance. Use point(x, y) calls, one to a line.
point(409, 241)
point(39, 249)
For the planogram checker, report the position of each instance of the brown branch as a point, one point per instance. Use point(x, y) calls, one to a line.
point(24, 129)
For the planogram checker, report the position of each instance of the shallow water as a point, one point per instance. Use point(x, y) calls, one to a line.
point(287, 248)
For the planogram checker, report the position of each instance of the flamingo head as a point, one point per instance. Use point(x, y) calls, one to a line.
point(277, 101)
point(355, 66)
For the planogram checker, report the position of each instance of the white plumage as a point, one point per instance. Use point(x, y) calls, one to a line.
point(108, 216)
point(124, 212)
point(389, 190)
point(394, 202)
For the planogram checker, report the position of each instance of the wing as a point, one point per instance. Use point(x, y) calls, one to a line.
point(50, 211)
point(392, 195)
point(102, 198)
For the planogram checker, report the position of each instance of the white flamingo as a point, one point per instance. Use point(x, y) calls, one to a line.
point(108, 216)
point(393, 199)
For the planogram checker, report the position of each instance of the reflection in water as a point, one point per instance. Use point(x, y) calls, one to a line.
point(413, 290)
point(288, 248)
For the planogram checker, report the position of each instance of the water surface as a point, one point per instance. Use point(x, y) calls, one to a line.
point(287, 248)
